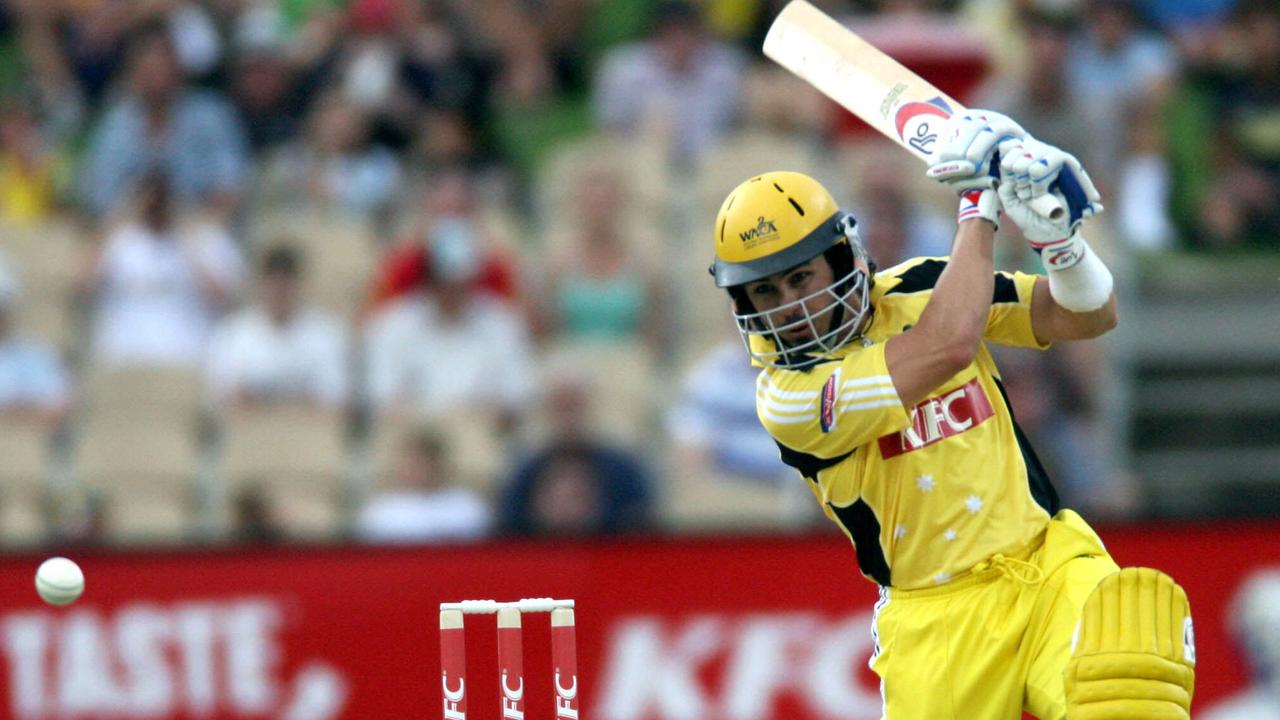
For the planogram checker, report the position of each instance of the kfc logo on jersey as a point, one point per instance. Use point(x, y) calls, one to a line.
point(830, 397)
point(940, 417)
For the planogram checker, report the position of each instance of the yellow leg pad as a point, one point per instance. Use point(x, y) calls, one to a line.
point(1134, 651)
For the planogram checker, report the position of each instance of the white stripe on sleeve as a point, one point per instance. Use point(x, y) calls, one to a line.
point(871, 404)
point(874, 392)
point(869, 380)
point(788, 419)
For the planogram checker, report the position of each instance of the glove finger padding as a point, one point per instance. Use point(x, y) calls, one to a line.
point(969, 143)
point(998, 129)
point(1039, 231)
point(1134, 651)
point(1034, 167)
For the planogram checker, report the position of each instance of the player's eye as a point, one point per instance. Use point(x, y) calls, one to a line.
point(800, 278)
point(763, 290)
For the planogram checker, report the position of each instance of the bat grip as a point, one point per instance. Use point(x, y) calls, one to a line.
point(1065, 195)
point(1047, 206)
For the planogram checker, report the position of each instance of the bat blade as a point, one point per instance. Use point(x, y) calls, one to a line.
point(859, 77)
point(867, 82)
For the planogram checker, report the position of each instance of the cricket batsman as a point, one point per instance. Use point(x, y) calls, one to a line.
point(879, 389)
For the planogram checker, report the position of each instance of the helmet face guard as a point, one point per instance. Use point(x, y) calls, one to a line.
point(849, 305)
point(770, 224)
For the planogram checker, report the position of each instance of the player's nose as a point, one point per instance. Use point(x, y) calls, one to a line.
point(789, 296)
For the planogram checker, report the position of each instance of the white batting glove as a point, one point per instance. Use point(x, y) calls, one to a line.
point(967, 157)
point(1027, 169)
point(1078, 279)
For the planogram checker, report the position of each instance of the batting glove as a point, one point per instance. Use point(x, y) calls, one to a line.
point(1027, 170)
point(968, 157)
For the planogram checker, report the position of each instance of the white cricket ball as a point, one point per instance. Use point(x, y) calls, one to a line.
point(59, 581)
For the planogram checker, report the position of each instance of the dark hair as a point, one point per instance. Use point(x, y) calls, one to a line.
point(675, 13)
point(282, 260)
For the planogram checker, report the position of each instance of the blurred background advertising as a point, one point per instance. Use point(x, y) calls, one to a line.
point(302, 295)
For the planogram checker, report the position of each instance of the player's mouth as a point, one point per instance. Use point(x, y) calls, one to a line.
point(800, 332)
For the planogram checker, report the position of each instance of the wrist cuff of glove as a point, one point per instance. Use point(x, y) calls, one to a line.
point(979, 204)
point(1083, 285)
point(1062, 253)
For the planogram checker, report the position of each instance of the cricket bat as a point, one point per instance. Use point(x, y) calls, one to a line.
point(870, 84)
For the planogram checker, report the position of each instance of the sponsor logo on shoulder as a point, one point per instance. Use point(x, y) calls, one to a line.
point(830, 398)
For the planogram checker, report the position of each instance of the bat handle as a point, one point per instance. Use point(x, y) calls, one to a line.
point(1048, 206)
point(1065, 195)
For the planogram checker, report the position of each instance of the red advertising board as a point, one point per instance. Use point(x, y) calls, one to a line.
point(668, 629)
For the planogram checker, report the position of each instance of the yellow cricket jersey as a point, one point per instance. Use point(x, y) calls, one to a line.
point(924, 493)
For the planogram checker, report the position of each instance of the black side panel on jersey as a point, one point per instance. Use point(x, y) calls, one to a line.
point(1042, 489)
point(808, 465)
point(863, 526)
point(922, 276)
point(925, 275)
point(1006, 290)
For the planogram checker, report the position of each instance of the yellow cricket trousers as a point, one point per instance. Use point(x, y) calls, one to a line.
point(995, 641)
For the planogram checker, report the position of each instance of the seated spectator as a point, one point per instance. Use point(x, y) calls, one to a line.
point(29, 169)
point(1047, 102)
point(598, 286)
point(892, 224)
point(193, 136)
point(277, 351)
point(726, 473)
point(160, 285)
point(679, 83)
point(714, 421)
point(336, 164)
point(266, 93)
point(1118, 60)
point(425, 505)
point(33, 382)
point(451, 348)
point(449, 204)
point(1232, 174)
point(576, 484)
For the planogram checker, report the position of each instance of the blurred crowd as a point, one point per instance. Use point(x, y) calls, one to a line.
point(406, 270)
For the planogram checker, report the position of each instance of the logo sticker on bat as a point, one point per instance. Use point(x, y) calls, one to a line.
point(915, 123)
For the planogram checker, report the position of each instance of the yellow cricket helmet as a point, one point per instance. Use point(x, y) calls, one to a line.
point(774, 222)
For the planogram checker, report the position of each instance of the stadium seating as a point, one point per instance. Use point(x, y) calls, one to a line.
point(137, 450)
point(49, 258)
point(339, 254)
point(475, 450)
point(24, 480)
point(295, 457)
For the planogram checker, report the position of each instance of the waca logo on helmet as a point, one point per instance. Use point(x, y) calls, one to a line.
point(764, 231)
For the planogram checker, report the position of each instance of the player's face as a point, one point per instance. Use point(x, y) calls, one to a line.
point(783, 291)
